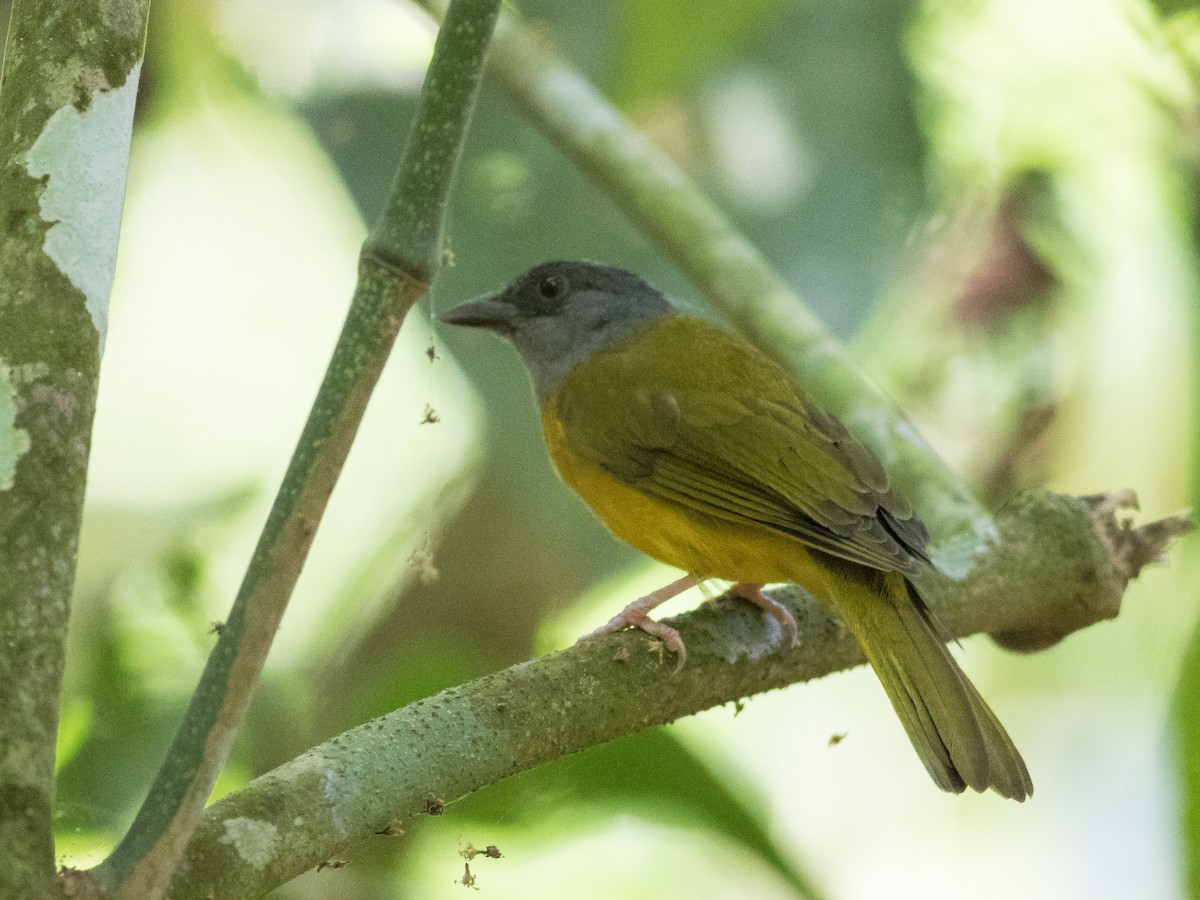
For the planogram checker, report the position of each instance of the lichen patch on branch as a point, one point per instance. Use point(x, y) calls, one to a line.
point(956, 557)
point(255, 841)
point(84, 157)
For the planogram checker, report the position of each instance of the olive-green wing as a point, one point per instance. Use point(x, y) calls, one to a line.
point(669, 424)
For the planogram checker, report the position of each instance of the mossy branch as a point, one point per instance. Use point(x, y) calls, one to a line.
point(1052, 571)
point(67, 96)
point(399, 259)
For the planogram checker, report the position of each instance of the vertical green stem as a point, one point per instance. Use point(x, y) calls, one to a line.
point(400, 257)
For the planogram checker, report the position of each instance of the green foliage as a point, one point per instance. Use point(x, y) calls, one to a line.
point(859, 140)
point(74, 723)
point(652, 775)
point(1186, 746)
point(665, 49)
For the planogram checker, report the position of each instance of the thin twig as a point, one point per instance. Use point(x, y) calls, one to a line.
point(399, 259)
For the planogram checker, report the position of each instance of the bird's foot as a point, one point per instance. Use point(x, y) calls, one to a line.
point(636, 615)
point(773, 608)
point(630, 617)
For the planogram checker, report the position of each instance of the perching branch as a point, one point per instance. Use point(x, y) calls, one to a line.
point(66, 113)
point(399, 259)
point(1054, 568)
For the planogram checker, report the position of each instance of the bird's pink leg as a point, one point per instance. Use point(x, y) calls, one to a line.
point(773, 608)
point(636, 614)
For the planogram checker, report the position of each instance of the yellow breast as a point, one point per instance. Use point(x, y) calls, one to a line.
point(701, 545)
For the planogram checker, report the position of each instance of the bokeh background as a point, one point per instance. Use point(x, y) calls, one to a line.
point(993, 201)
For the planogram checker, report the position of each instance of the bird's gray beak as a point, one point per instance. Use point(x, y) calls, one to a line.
point(488, 311)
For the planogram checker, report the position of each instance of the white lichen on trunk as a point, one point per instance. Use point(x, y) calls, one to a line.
point(84, 157)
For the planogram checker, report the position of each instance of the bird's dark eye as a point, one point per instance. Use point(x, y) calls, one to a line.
point(552, 286)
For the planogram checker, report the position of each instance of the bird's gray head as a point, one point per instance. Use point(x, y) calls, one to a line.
point(560, 313)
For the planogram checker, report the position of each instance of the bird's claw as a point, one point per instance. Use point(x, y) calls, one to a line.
point(635, 618)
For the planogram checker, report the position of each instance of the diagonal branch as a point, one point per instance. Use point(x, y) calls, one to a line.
point(1060, 565)
point(399, 259)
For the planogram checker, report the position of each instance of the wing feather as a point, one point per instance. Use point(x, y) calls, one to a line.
point(772, 458)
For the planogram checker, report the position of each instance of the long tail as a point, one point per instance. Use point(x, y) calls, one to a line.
point(957, 736)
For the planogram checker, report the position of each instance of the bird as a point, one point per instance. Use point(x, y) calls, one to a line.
point(697, 449)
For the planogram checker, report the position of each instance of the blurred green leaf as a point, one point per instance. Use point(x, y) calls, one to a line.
point(184, 569)
point(664, 46)
point(652, 774)
point(840, 72)
point(1185, 728)
point(1173, 7)
point(74, 725)
point(186, 64)
point(107, 772)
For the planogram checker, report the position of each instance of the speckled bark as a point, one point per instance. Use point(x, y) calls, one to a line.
point(57, 56)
